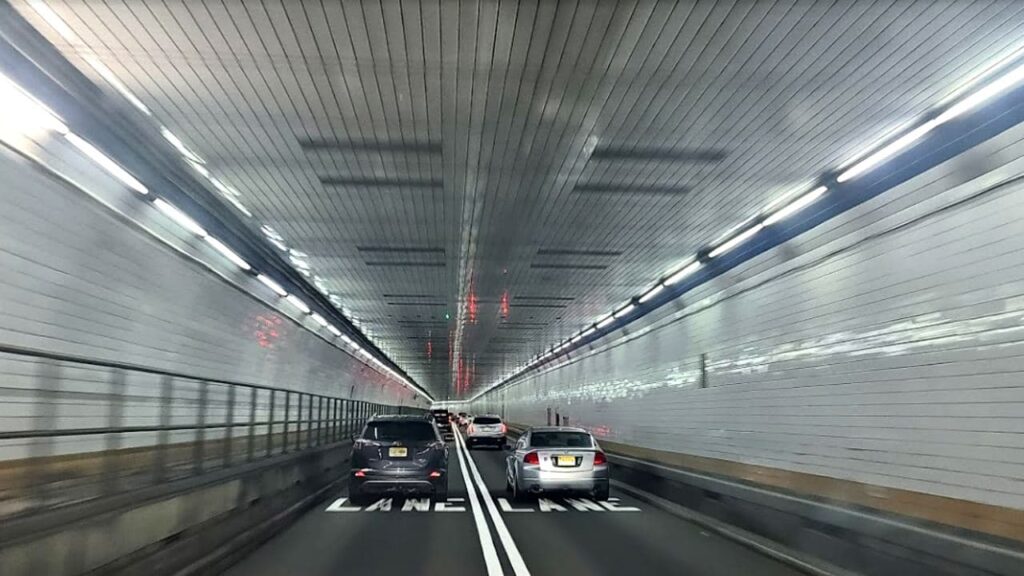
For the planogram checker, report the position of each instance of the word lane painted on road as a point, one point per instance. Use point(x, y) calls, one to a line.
point(409, 505)
point(567, 505)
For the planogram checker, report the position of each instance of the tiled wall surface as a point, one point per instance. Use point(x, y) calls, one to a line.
point(885, 346)
point(78, 280)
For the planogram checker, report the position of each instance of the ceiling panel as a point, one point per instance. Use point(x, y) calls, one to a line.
point(476, 180)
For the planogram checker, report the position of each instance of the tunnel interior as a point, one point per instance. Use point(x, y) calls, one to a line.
point(755, 265)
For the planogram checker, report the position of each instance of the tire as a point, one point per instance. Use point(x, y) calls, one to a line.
point(440, 494)
point(508, 485)
point(601, 493)
point(356, 496)
point(516, 494)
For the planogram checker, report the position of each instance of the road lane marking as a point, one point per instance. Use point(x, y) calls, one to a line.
point(550, 505)
point(584, 505)
point(506, 507)
point(417, 504)
point(511, 551)
point(612, 505)
point(382, 505)
point(339, 506)
point(486, 543)
point(448, 506)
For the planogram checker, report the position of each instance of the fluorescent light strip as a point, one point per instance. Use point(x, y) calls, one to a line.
point(179, 217)
point(278, 243)
point(55, 21)
point(112, 79)
point(625, 310)
point(606, 321)
point(795, 206)
point(588, 332)
point(319, 319)
point(983, 94)
point(228, 253)
point(333, 329)
point(270, 283)
point(683, 273)
point(177, 143)
point(651, 293)
point(298, 303)
point(104, 161)
point(198, 168)
point(24, 110)
point(234, 201)
point(888, 151)
point(223, 188)
point(736, 240)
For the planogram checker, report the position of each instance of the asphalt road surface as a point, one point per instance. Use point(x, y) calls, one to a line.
point(479, 532)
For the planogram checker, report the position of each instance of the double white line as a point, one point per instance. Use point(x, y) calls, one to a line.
point(486, 542)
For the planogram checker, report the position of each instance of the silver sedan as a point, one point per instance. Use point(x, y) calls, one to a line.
point(556, 459)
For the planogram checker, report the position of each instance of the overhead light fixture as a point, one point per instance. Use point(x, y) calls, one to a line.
point(347, 340)
point(624, 310)
point(198, 168)
point(180, 146)
point(228, 253)
point(299, 263)
point(270, 283)
point(888, 151)
point(55, 21)
point(298, 303)
point(224, 188)
point(795, 206)
point(104, 161)
point(683, 273)
point(241, 208)
point(319, 319)
point(278, 243)
point(736, 240)
point(113, 80)
point(23, 114)
point(651, 293)
point(333, 329)
point(983, 94)
point(179, 217)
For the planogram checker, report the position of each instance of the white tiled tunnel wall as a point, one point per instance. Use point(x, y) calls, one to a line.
point(885, 346)
point(79, 281)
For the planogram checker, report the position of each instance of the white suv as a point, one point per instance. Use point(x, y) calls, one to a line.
point(486, 430)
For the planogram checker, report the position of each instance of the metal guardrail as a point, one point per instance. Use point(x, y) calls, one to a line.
point(100, 427)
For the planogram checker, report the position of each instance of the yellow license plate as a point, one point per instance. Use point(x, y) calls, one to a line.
point(398, 452)
point(566, 460)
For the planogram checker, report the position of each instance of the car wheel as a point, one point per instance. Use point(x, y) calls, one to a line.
point(601, 493)
point(508, 485)
point(355, 496)
point(517, 494)
point(441, 494)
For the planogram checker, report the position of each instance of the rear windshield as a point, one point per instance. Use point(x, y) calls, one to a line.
point(560, 440)
point(486, 420)
point(404, 431)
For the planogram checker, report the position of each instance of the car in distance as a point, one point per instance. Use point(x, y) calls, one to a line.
point(487, 429)
point(444, 423)
point(463, 419)
point(398, 454)
point(556, 459)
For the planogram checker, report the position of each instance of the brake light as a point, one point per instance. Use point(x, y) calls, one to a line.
point(531, 458)
point(600, 458)
point(504, 429)
point(360, 474)
point(435, 474)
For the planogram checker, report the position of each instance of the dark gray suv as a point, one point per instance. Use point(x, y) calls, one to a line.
point(399, 454)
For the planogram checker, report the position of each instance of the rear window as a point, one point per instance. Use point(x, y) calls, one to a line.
point(404, 431)
point(486, 420)
point(560, 440)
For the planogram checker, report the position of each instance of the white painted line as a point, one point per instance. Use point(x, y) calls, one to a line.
point(511, 551)
point(339, 506)
point(486, 543)
point(506, 507)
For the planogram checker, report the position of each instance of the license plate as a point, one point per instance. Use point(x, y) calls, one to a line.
point(398, 452)
point(566, 461)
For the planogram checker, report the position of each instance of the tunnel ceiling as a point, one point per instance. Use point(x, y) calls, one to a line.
point(476, 181)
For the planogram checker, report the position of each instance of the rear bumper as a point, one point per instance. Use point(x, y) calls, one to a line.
point(535, 481)
point(405, 483)
point(496, 439)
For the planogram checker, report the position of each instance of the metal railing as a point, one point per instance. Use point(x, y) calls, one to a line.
point(74, 429)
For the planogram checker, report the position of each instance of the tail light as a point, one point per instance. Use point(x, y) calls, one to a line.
point(531, 458)
point(360, 474)
point(600, 458)
point(435, 474)
point(471, 429)
point(504, 429)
